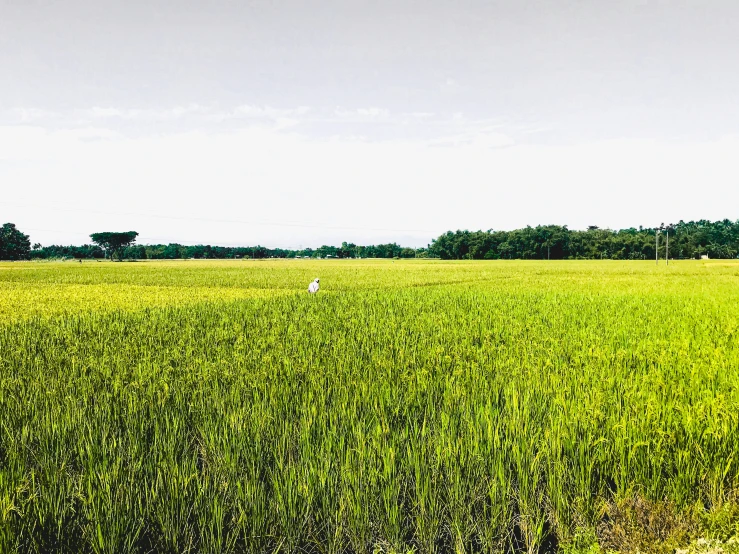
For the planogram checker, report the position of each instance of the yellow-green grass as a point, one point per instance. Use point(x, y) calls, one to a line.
point(215, 406)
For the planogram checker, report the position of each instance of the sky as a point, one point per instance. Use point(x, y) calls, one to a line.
point(297, 123)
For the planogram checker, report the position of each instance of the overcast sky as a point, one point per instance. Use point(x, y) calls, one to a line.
point(297, 123)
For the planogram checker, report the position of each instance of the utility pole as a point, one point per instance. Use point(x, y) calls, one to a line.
point(667, 248)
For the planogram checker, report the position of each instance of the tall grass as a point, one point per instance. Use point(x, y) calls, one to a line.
point(500, 410)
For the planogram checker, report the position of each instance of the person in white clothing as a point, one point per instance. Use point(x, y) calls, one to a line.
point(313, 287)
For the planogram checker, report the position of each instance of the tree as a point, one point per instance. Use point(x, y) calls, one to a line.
point(14, 245)
point(172, 251)
point(114, 243)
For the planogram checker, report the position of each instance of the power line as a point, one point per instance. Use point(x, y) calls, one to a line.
point(213, 220)
point(163, 239)
point(170, 240)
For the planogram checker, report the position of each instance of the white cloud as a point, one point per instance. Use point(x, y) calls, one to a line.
point(371, 113)
point(354, 122)
point(27, 115)
point(268, 112)
point(450, 86)
point(476, 139)
point(148, 114)
point(260, 183)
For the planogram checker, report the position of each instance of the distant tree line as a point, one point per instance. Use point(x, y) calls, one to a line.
point(717, 239)
point(175, 251)
point(687, 240)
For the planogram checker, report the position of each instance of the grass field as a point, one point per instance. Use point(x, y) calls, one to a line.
point(208, 406)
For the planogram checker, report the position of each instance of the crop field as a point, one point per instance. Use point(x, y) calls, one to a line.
point(409, 406)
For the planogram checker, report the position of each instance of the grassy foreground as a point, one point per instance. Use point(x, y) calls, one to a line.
point(409, 406)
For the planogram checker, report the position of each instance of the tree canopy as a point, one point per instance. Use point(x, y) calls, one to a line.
point(114, 243)
point(693, 239)
point(14, 245)
point(687, 240)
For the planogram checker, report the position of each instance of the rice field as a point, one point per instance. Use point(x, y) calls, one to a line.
point(409, 406)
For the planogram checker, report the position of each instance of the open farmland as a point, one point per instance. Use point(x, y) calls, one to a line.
point(411, 405)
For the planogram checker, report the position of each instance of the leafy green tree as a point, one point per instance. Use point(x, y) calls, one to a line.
point(14, 245)
point(114, 243)
point(134, 252)
point(172, 251)
point(347, 250)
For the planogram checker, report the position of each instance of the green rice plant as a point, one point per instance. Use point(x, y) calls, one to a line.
point(417, 406)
